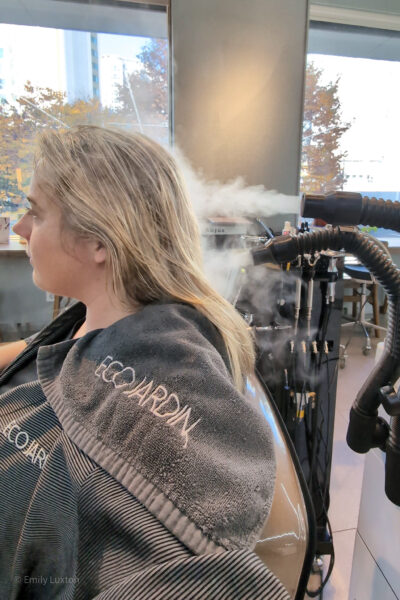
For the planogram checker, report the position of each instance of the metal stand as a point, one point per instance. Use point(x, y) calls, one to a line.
point(364, 324)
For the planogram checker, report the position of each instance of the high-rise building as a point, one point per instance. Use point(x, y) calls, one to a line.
point(114, 69)
point(94, 53)
point(1, 72)
point(80, 47)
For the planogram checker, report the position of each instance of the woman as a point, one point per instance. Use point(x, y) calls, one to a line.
point(131, 465)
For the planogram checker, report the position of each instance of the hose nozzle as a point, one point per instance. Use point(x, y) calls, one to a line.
point(338, 208)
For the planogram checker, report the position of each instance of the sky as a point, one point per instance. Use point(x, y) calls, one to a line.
point(127, 46)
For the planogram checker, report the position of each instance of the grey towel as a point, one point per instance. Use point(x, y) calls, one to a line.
point(151, 400)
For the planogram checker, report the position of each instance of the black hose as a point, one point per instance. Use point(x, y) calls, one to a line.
point(350, 208)
point(380, 213)
point(392, 479)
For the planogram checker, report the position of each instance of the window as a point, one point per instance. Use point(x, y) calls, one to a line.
point(352, 122)
point(53, 76)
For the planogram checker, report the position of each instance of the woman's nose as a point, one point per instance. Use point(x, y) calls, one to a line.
point(22, 227)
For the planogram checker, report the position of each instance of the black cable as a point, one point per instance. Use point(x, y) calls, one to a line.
point(317, 424)
point(318, 592)
point(328, 461)
point(324, 331)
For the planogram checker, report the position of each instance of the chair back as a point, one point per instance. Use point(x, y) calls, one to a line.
point(287, 541)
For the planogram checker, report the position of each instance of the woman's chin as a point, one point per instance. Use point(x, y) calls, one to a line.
point(45, 288)
point(38, 283)
point(34, 278)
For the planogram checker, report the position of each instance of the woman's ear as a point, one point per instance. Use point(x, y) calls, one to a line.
point(99, 252)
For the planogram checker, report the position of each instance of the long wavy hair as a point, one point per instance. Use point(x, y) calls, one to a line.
point(125, 190)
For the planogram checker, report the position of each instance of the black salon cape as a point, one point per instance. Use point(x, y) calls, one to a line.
point(132, 468)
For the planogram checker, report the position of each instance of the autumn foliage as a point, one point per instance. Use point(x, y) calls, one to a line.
point(321, 160)
point(149, 85)
point(37, 109)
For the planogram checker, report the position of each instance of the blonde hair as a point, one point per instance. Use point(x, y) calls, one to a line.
point(125, 190)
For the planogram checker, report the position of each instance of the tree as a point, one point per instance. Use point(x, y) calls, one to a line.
point(321, 161)
point(35, 110)
point(144, 93)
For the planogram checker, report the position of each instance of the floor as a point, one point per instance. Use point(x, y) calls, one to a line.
point(347, 467)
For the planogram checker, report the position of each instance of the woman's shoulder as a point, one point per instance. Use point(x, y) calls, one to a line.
point(183, 327)
point(177, 319)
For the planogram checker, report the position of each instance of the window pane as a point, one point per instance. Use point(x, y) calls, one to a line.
point(58, 78)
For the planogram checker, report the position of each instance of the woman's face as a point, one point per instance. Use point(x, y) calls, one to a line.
point(62, 263)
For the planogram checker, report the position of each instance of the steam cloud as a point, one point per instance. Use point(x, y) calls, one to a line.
point(223, 267)
point(230, 270)
point(235, 198)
